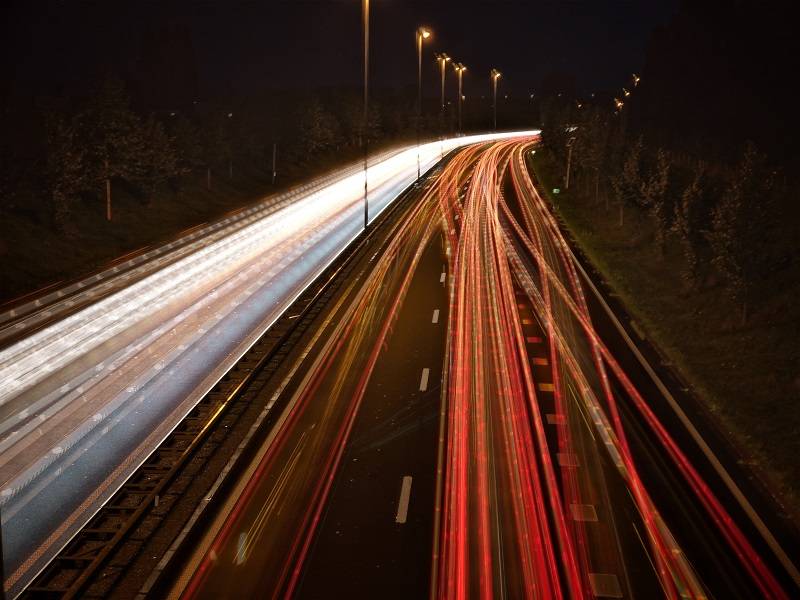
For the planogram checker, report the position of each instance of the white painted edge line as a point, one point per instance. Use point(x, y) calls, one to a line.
point(734, 489)
point(402, 503)
point(423, 382)
point(435, 318)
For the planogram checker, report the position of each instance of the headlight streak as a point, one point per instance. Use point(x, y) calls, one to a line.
point(23, 363)
point(352, 349)
point(504, 525)
point(504, 530)
point(480, 322)
point(486, 362)
point(101, 354)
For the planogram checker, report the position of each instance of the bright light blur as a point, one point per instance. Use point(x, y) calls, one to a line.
point(316, 227)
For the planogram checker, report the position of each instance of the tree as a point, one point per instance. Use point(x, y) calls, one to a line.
point(111, 131)
point(592, 143)
point(214, 143)
point(65, 168)
point(627, 183)
point(656, 198)
point(319, 130)
point(157, 162)
point(352, 120)
point(739, 222)
point(186, 140)
point(555, 121)
point(687, 224)
point(8, 174)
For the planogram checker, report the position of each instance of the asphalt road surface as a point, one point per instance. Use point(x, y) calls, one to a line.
point(97, 372)
point(484, 433)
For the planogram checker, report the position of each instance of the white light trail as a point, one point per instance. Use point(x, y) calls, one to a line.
point(163, 337)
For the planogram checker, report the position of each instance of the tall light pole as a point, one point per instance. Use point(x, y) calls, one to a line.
point(365, 14)
point(460, 72)
point(495, 75)
point(570, 144)
point(422, 34)
point(442, 59)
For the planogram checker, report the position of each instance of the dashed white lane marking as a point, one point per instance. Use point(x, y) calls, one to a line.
point(435, 318)
point(443, 277)
point(556, 419)
point(405, 496)
point(423, 382)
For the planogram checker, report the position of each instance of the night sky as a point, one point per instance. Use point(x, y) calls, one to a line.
point(237, 47)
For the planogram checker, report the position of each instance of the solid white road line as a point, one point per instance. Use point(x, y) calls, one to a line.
point(423, 382)
point(435, 318)
point(405, 496)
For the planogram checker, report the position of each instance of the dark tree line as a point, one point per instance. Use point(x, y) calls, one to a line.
point(89, 148)
point(726, 216)
point(102, 142)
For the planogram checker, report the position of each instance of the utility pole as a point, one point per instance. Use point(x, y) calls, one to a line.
point(569, 160)
point(460, 72)
point(422, 34)
point(443, 60)
point(495, 75)
point(365, 12)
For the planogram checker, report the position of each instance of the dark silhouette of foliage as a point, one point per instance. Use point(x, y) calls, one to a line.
point(65, 169)
point(656, 198)
point(740, 223)
point(687, 225)
point(627, 184)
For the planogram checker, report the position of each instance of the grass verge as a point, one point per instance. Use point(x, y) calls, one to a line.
point(746, 376)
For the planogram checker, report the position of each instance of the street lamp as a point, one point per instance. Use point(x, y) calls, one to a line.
point(365, 14)
point(422, 34)
point(570, 143)
point(442, 59)
point(460, 72)
point(495, 75)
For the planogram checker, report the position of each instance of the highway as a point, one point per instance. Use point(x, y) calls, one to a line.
point(467, 422)
point(97, 372)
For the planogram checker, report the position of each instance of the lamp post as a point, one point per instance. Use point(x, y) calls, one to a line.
point(442, 59)
point(365, 15)
point(460, 72)
point(570, 144)
point(422, 34)
point(495, 75)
